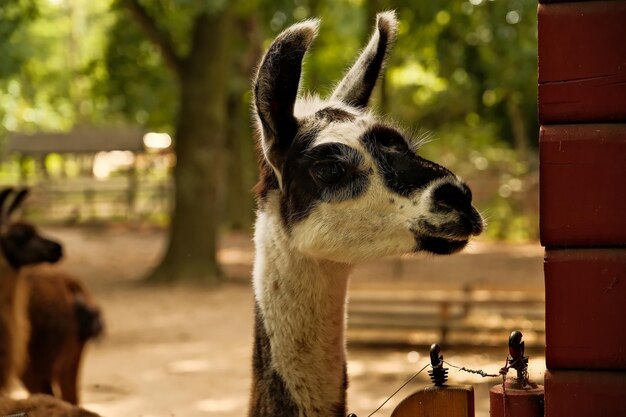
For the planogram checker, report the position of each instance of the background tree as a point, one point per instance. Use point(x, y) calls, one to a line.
point(199, 65)
point(15, 15)
point(464, 70)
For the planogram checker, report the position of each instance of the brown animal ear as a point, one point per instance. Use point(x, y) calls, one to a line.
point(17, 201)
point(4, 193)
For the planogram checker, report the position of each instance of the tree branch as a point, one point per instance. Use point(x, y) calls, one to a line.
point(156, 35)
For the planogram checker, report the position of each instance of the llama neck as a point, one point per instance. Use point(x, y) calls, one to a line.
point(11, 306)
point(299, 355)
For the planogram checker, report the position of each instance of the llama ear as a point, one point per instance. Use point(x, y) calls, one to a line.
point(276, 88)
point(17, 201)
point(356, 86)
point(4, 194)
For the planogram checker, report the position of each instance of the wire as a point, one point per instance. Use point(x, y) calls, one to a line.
point(473, 371)
point(398, 390)
point(480, 372)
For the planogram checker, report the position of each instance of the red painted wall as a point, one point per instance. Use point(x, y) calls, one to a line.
point(586, 308)
point(582, 62)
point(582, 109)
point(583, 184)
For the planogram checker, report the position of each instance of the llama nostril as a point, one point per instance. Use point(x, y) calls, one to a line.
point(450, 196)
point(477, 222)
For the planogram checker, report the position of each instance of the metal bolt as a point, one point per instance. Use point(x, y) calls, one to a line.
point(516, 358)
point(438, 374)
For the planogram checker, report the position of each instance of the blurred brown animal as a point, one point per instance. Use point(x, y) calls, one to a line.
point(20, 245)
point(63, 318)
point(40, 405)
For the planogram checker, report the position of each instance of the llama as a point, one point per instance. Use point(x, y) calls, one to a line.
point(63, 316)
point(20, 246)
point(337, 186)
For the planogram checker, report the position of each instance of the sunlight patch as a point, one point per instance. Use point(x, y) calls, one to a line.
point(189, 366)
point(222, 405)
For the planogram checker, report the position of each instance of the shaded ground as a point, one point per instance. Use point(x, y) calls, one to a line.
point(185, 351)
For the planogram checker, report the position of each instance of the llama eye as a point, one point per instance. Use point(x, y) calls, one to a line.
point(329, 172)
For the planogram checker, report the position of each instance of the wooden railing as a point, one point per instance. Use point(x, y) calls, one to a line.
point(458, 317)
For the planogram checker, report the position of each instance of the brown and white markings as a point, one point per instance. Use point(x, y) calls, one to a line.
point(338, 185)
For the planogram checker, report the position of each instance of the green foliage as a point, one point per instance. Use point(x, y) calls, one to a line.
point(52, 51)
point(137, 84)
point(14, 14)
point(464, 70)
point(134, 80)
point(452, 58)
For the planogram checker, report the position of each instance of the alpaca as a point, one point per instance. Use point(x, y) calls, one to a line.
point(20, 245)
point(337, 186)
point(63, 317)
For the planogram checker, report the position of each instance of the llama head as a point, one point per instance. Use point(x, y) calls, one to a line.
point(348, 185)
point(20, 242)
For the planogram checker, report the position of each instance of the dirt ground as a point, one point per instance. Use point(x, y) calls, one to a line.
point(186, 351)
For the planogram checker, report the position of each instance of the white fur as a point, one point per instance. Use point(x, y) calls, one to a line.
point(377, 223)
point(302, 300)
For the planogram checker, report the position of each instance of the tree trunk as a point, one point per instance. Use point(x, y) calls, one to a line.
point(239, 197)
point(200, 171)
point(518, 125)
point(241, 153)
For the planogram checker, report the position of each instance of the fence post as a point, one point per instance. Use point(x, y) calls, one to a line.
point(517, 397)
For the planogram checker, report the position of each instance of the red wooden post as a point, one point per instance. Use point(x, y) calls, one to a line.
point(582, 109)
point(517, 402)
point(582, 77)
point(582, 190)
point(440, 400)
point(586, 309)
point(585, 393)
point(519, 397)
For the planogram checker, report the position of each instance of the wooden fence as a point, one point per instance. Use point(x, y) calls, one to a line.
point(461, 317)
point(80, 200)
